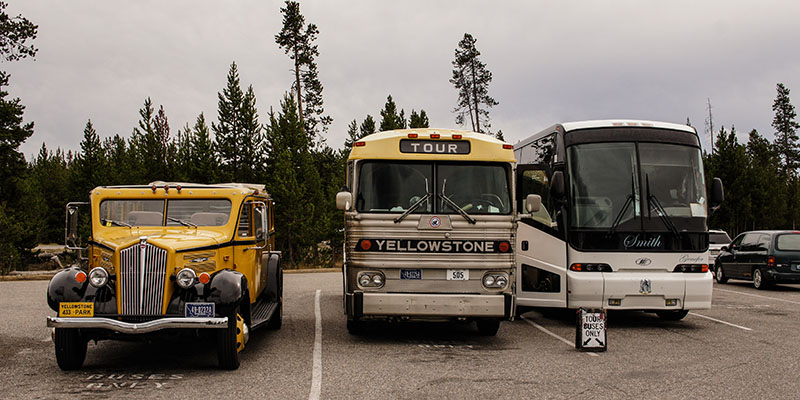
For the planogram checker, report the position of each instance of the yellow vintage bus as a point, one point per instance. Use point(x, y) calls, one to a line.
point(429, 228)
point(166, 259)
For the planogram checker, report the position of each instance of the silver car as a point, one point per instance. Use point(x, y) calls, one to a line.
point(716, 239)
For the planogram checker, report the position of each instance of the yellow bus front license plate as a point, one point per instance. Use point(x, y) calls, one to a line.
point(76, 310)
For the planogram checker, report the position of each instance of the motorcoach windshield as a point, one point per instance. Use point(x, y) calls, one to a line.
point(630, 187)
point(395, 187)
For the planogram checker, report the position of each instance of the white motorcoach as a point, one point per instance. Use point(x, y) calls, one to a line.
point(623, 220)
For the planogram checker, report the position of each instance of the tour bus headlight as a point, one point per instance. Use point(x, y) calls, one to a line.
point(671, 302)
point(614, 302)
point(185, 278)
point(370, 279)
point(98, 277)
point(488, 280)
point(501, 281)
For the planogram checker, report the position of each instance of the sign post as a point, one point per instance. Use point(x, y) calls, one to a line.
point(590, 330)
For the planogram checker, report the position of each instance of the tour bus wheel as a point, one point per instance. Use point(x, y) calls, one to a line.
point(672, 315)
point(228, 342)
point(488, 327)
point(355, 327)
point(70, 348)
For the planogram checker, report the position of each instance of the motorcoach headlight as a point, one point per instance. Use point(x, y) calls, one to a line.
point(495, 280)
point(370, 279)
point(185, 278)
point(98, 277)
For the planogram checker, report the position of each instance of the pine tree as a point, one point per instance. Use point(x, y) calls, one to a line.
point(48, 183)
point(253, 160)
point(296, 39)
point(471, 79)
point(230, 130)
point(418, 120)
point(763, 172)
point(293, 178)
point(90, 164)
point(14, 33)
point(390, 119)
point(786, 139)
point(118, 160)
point(368, 126)
point(203, 168)
point(150, 145)
point(352, 136)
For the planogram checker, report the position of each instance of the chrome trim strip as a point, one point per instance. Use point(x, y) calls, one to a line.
point(139, 327)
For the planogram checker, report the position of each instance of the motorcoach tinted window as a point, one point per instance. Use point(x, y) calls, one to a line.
point(675, 177)
point(788, 242)
point(604, 184)
point(393, 186)
point(476, 189)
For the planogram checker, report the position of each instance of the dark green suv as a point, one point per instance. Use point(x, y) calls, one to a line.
point(765, 257)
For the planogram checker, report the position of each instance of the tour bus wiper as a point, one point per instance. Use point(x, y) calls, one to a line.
point(182, 222)
point(662, 213)
point(113, 222)
point(453, 204)
point(413, 207)
point(628, 201)
point(416, 205)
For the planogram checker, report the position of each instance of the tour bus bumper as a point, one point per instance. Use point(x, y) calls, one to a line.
point(429, 305)
point(139, 327)
point(640, 291)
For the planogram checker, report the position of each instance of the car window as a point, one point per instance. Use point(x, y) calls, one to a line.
point(718, 238)
point(750, 242)
point(763, 242)
point(737, 242)
point(788, 242)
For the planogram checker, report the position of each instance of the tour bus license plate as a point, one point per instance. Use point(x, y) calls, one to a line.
point(76, 310)
point(410, 274)
point(457, 274)
point(199, 310)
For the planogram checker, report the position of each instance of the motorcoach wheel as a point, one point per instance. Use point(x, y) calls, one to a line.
point(673, 315)
point(719, 275)
point(230, 340)
point(70, 349)
point(488, 327)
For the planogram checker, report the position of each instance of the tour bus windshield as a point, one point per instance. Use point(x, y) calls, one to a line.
point(394, 187)
point(613, 185)
point(187, 212)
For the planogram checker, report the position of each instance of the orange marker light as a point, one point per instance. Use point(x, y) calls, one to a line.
point(435, 135)
point(80, 276)
point(413, 135)
point(504, 247)
point(361, 144)
point(457, 136)
point(204, 278)
point(365, 245)
point(508, 146)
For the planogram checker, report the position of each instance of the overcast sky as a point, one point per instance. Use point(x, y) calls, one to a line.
point(552, 61)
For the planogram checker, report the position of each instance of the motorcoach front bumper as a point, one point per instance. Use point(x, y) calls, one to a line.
point(429, 305)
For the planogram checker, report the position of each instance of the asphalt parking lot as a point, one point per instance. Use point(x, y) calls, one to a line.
point(744, 347)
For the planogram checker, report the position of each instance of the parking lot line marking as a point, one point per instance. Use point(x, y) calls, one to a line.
point(758, 295)
point(720, 321)
point(545, 330)
point(316, 374)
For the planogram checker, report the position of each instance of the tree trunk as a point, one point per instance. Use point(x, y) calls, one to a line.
point(477, 126)
point(299, 92)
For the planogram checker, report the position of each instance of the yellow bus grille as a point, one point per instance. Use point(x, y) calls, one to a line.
point(143, 269)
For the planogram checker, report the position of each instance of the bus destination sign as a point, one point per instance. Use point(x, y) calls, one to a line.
point(435, 146)
point(432, 246)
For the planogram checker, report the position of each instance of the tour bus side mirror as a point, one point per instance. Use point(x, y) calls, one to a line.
point(72, 239)
point(557, 186)
point(717, 192)
point(344, 200)
point(533, 202)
